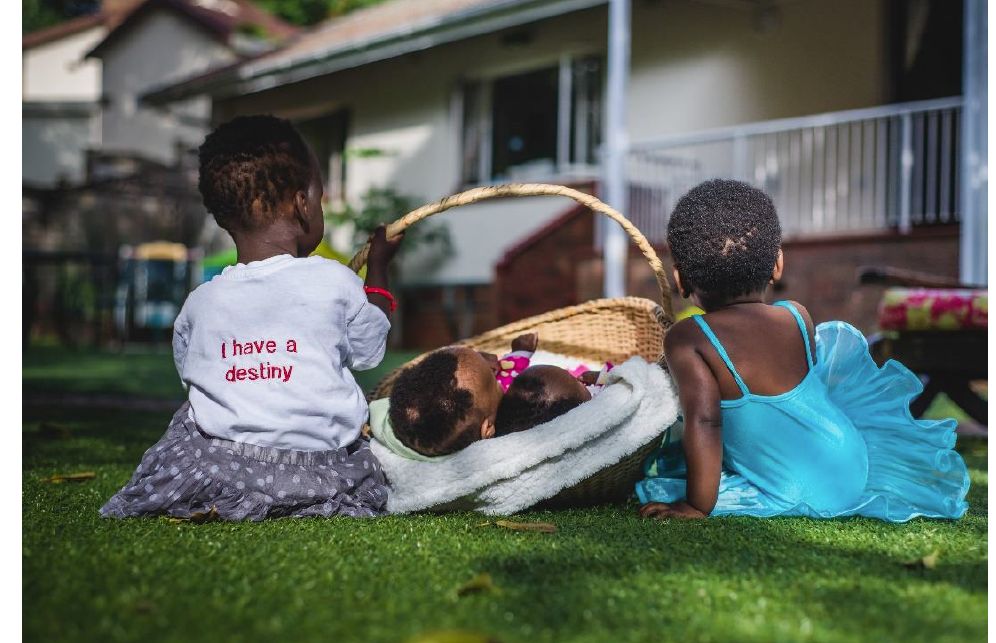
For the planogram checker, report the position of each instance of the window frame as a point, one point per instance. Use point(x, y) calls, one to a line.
point(571, 131)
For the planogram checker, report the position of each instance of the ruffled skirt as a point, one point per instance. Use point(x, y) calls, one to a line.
point(188, 473)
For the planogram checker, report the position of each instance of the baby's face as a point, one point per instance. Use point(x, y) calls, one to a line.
point(559, 383)
point(476, 373)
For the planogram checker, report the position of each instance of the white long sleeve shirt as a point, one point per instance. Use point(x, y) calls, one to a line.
point(264, 350)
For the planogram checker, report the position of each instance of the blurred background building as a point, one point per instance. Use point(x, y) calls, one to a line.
point(864, 120)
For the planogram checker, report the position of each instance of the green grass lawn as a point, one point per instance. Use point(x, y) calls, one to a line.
point(605, 575)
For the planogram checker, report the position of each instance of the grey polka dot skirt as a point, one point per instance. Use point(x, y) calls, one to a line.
point(188, 473)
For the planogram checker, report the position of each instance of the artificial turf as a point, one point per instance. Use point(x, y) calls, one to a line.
point(605, 575)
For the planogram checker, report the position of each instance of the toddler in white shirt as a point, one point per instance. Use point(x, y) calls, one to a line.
point(273, 418)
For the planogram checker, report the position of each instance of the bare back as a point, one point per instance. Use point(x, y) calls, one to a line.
point(764, 343)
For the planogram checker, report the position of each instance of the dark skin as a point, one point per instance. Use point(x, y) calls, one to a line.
point(764, 344)
point(299, 227)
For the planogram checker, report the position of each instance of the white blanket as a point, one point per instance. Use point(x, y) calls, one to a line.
point(504, 475)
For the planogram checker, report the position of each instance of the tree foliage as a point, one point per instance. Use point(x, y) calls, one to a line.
point(38, 14)
point(310, 12)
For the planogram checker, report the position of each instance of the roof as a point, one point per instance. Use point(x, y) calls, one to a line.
point(379, 32)
point(108, 18)
point(220, 19)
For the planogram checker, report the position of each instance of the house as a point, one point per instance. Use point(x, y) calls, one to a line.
point(100, 170)
point(81, 84)
point(848, 112)
point(60, 97)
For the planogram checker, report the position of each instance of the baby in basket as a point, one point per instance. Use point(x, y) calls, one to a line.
point(457, 396)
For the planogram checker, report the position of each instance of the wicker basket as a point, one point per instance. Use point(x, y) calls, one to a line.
point(603, 330)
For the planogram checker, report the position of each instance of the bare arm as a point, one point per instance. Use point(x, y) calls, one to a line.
point(382, 251)
point(698, 393)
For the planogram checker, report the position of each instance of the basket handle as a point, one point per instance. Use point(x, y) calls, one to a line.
point(531, 189)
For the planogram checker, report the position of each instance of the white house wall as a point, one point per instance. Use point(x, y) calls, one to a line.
point(695, 65)
point(53, 147)
point(161, 48)
point(56, 71)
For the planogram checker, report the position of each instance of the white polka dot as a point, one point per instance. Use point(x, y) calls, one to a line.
point(296, 479)
point(154, 497)
point(311, 493)
point(174, 471)
point(198, 475)
point(269, 479)
point(281, 493)
point(281, 466)
point(234, 466)
point(248, 469)
point(268, 498)
point(211, 449)
point(186, 439)
point(197, 453)
point(366, 465)
point(240, 485)
point(214, 468)
point(260, 482)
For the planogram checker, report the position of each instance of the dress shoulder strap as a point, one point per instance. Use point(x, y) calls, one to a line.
point(802, 328)
point(711, 336)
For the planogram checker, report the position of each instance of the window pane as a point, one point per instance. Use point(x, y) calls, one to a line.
point(524, 117)
point(471, 162)
point(586, 111)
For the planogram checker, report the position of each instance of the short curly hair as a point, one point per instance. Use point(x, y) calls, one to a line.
point(724, 238)
point(528, 403)
point(429, 413)
point(248, 167)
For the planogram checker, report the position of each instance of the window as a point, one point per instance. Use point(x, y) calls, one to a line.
point(534, 124)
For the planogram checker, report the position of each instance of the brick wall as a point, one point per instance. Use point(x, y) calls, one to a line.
point(823, 274)
point(541, 274)
point(559, 267)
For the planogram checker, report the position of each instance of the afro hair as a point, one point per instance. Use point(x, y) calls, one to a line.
point(428, 411)
point(724, 238)
point(248, 167)
point(528, 403)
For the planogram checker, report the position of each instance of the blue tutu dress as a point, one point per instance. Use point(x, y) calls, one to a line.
point(841, 443)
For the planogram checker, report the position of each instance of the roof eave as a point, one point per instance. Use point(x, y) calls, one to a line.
point(477, 21)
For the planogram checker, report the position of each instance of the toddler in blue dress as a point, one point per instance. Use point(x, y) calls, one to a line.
point(781, 419)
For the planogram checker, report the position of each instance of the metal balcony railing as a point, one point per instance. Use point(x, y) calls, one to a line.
point(893, 167)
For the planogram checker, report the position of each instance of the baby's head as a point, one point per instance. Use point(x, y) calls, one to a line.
point(260, 179)
point(725, 241)
point(536, 396)
point(446, 402)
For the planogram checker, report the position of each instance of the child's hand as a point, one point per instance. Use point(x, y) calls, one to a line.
point(661, 510)
point(528, 342)
point(382, 249)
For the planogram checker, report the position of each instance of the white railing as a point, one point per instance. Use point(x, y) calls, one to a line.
point(892, 167)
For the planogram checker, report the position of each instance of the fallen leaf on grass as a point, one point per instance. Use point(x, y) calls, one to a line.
point(199, 517)
point(453, 636)
point(59, 478)
point(927, 562)
point(544, 527)
point(478, 585)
